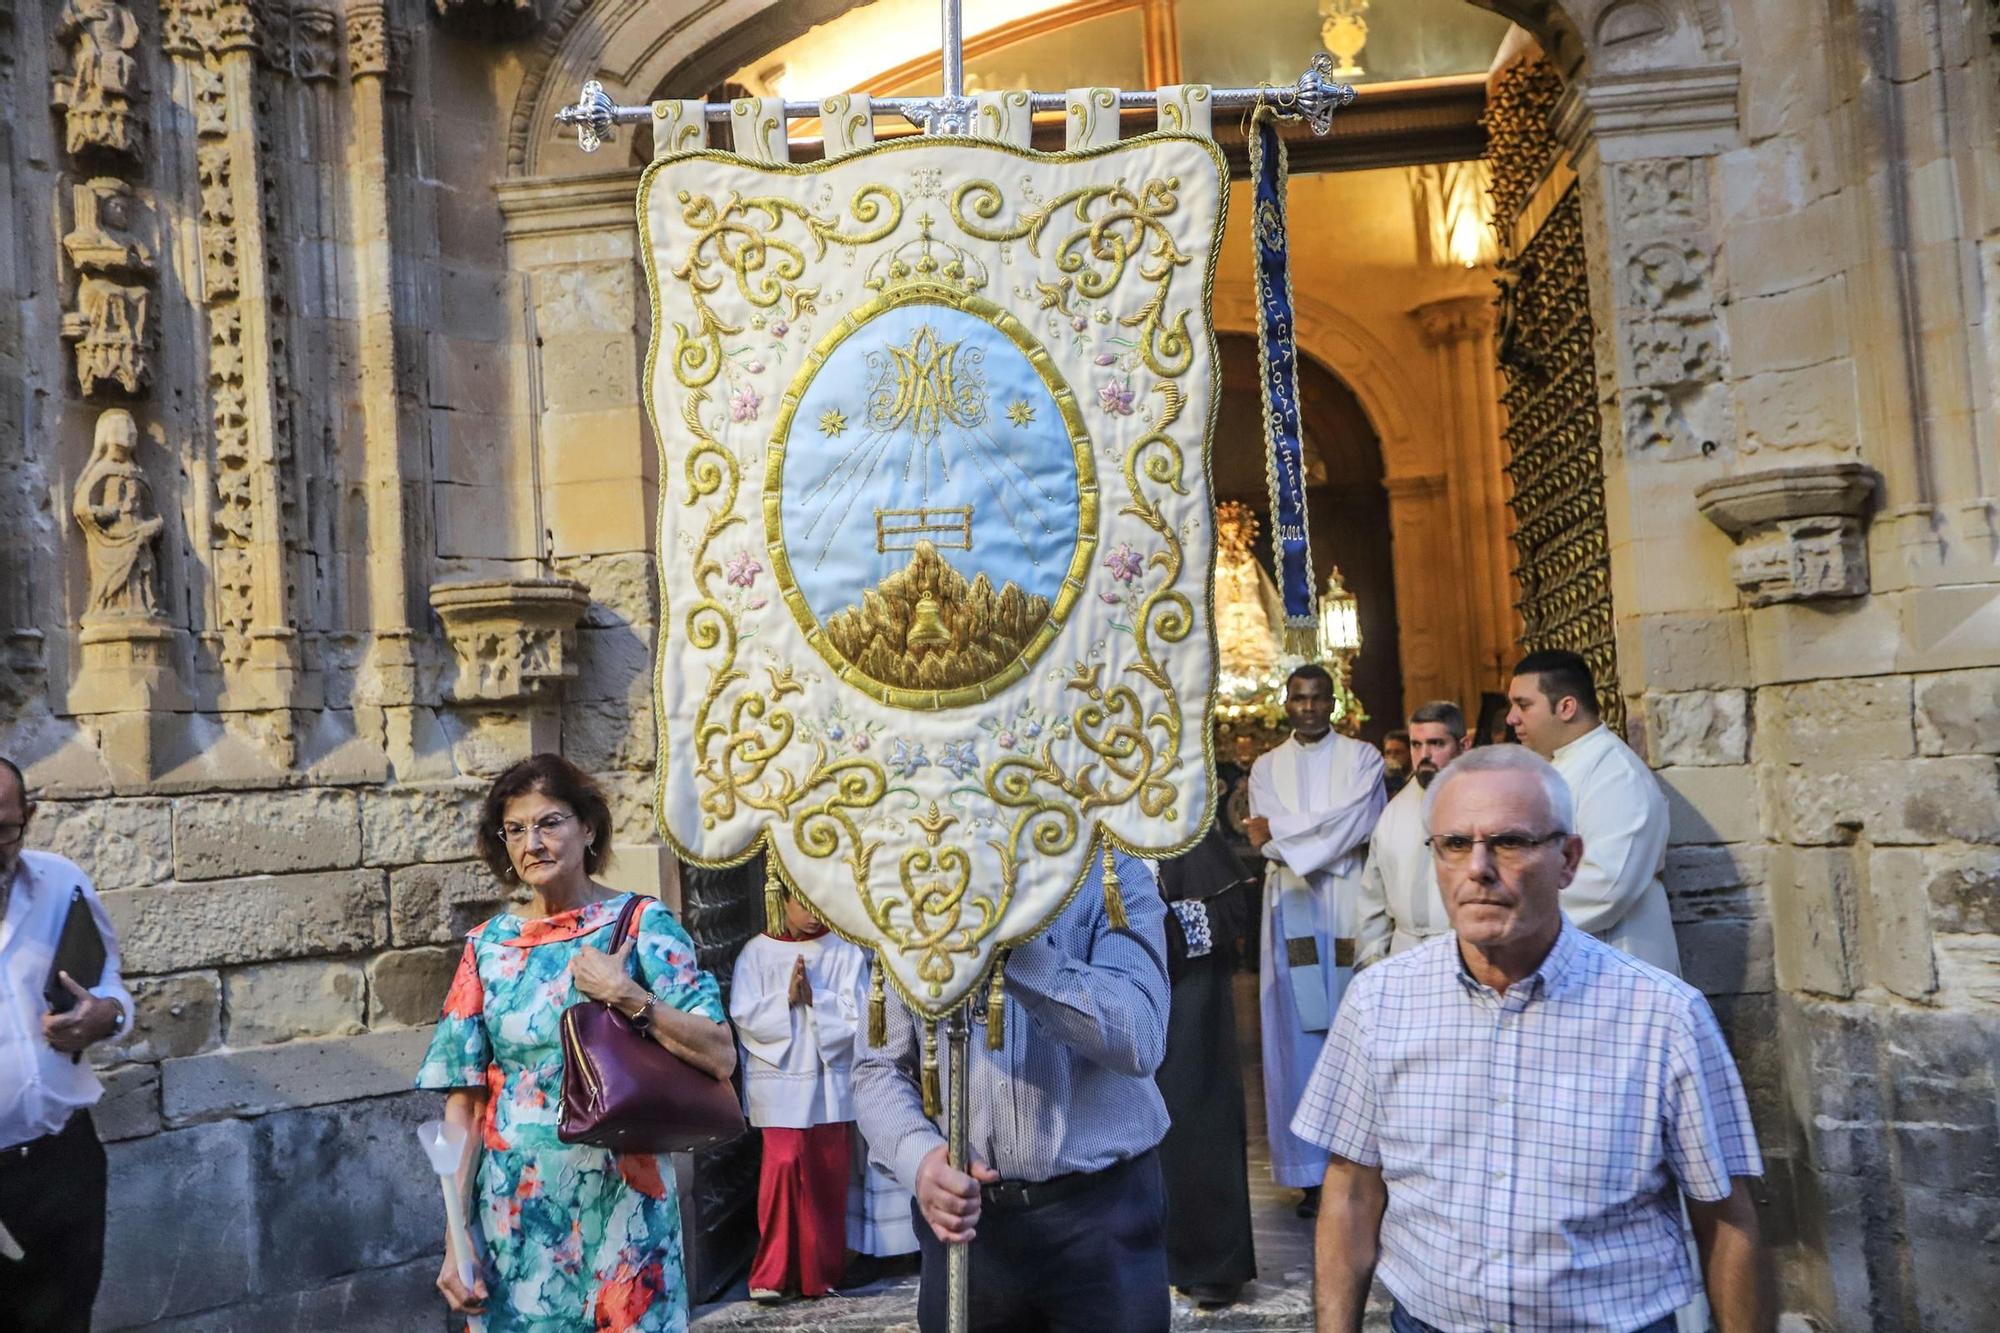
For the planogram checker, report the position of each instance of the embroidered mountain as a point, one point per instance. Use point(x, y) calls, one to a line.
point(925, 627)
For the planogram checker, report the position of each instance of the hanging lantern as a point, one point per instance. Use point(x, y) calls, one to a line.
point(1339, 620)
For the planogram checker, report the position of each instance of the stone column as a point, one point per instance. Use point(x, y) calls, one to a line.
point(1459, 331)
point(389, 676)
point(216, 52)
point(1428, 622)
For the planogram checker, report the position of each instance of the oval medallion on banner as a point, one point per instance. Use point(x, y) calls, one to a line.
point(930, 498)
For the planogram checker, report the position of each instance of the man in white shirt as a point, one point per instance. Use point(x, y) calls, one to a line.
point(1621, 815)
point(52, 1174)
point(1313, 802)
point(1400, 906)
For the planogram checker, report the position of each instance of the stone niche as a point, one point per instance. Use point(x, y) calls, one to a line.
point(514, 640)
point(1800, 532)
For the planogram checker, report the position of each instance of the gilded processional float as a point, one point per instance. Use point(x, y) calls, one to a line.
point(936, 539)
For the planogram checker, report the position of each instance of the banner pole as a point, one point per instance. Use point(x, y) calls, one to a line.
point(958, 1133)
point(951, 45)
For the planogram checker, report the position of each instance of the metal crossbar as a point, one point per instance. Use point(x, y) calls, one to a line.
point(1313, 98)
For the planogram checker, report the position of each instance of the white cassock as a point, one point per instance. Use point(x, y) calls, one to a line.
point(798, 1065)
point(1621, 815)
point(1322, 799)
point(1401, 905)
point(798, 1061)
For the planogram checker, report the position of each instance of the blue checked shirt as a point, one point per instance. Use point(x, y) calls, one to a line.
point(1072, 1088)
point(1532, 1141)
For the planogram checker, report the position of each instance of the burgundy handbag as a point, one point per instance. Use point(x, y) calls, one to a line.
point(624, 1091)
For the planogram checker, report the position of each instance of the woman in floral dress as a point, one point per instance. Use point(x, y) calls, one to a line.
point(576, 1238)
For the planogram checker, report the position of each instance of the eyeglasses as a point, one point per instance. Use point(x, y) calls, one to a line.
point(546, 826)
point(11, 834)
point(1509, 849)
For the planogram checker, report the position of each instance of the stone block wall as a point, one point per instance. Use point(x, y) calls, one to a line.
point(287, 952)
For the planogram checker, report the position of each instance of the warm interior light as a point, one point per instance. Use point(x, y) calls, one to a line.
point(1339, 620)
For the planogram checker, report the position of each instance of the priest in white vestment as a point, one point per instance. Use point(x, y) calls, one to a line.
point(1313, 802)
point(1621, 814)
point(1401, 905)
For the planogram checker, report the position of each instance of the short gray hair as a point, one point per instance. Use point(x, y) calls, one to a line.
point(1442, 712)
point(1508, 759)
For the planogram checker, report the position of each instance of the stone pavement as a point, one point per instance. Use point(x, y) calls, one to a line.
point(1280, 1298)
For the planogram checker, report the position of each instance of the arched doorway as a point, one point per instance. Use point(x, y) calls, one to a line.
point(1347, 503)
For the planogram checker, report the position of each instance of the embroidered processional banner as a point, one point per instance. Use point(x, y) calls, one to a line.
point(934, 526)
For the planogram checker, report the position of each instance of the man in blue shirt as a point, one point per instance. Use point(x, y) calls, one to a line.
point(1064, 1206)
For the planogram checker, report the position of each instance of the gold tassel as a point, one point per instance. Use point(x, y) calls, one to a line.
point(1114, 900)
point(996, 1004)
point(878, 1007)
point(774, 897)
point(1301, 640)
point(933, 1100)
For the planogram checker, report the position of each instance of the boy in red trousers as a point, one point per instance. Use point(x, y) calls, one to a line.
point(796, 1001)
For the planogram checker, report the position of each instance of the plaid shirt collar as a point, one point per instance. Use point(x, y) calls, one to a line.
point(1546, 980)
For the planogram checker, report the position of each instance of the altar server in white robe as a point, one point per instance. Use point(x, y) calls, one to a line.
point(1621, 814)
point(1313, 802)
point(1401, 906)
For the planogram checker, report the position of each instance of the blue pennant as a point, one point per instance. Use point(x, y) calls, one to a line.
point(1277, 363)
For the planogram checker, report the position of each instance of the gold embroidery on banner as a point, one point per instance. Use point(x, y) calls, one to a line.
point(1096, 254)
point(824, 806)
point(766, 266)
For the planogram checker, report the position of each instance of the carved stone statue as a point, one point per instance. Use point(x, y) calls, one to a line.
point(97, 93)
point(112, 336)
point(113, 505)
point(111, 228)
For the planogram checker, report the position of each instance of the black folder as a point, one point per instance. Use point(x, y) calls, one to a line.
point(79, 952)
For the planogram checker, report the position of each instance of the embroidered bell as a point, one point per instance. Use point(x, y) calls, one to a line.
point(927, 626)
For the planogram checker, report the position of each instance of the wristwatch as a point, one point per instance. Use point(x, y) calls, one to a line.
point(644, 1019)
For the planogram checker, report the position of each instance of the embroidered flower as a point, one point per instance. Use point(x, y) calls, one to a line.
point(1079, 323)
point(862, 740)
point(959, 758)
point(742, 569)
point(780, 329)
point(755, 367)
point(1107, 359)
point(1115, 397)
point(835, 732)
point(905, 759)
point(743, 404)
point(1031, 729)
point(1006, 740)
point(1109, 598)
point(1125, 563)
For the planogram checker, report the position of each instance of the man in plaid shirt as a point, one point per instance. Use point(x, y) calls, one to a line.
point(1516, 1111)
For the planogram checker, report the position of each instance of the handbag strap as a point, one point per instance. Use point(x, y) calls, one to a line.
point(626, 928)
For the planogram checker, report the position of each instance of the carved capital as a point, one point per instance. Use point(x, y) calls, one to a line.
point(1456, 319)
point(514, 639)
point(315, 44)
point(1799, 531)
point(237, 27)
point(492, 19)
point(369, 42)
